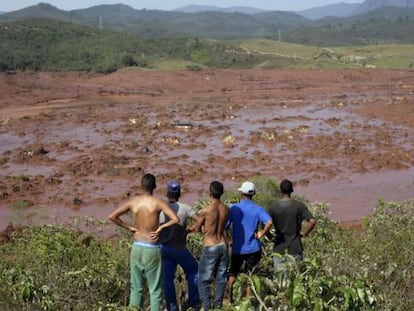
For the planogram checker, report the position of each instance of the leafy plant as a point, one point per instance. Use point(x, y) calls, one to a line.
point(65, 268)
point(55, 268)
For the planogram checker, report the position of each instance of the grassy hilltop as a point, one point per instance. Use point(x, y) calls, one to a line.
point(51, 45)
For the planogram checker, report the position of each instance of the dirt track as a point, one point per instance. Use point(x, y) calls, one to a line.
point(77, 144)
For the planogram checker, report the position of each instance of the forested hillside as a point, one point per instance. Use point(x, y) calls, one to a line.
point(46, 44)
point(370, 5)
point(167, 24)
point(50, 45)
point(383, 25)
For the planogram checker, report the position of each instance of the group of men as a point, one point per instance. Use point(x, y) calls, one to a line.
point(160, 231)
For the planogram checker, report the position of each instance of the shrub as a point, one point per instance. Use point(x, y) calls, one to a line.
point(59, 268)
point(128, 60)
point(55, 268)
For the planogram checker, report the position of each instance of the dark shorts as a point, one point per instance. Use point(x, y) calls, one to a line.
point(250, 262)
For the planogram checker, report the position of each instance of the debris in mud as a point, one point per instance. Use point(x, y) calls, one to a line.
point(182, 124)
point(133, 121)
point(146, 150)
point(171, 140)
point(26, 154)
point(229, 140)
point(268, 135)
point(274, 122)
point(132, 171)
point(77, 201)
point(5, 121)
point(303, 182)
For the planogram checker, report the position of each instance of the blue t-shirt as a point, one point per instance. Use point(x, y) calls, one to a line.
point(244, 218)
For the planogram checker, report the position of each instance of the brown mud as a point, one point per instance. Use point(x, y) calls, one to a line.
point(77, 144)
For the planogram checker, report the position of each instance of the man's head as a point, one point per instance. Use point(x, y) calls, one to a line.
point(286, 187)
point(173, 190)
point(148, 182)
point(216, 189)
point(248, 189)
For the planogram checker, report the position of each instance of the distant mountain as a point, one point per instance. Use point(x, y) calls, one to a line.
point(382, 25)
point(210, 8)
point(369, 5)
point(167, 24)
point(336, 10)
point(41, 10)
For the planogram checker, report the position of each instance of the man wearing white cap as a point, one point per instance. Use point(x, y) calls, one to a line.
point(245, 218)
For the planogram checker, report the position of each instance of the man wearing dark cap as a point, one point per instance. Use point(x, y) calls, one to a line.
point(288, 215)
point(245, 218)
point(175, 252)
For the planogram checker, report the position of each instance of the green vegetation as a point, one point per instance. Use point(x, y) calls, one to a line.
point(50, 45)
point(387, 25)
point(58, 46)
point(21, 204)
point(61, 268)
point(294, 55)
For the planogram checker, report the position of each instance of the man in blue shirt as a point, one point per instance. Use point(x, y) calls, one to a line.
point(245, 218)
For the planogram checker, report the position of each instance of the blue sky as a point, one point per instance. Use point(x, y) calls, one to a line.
point(291, 5)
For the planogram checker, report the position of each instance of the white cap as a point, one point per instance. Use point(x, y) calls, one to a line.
point(248, 188)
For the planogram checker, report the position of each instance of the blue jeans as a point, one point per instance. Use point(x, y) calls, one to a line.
point(213, 263)
point(171, 257)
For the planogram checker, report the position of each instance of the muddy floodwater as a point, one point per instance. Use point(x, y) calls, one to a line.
point(77, 144)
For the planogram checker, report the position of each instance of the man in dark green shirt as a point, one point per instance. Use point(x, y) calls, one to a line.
point(287, 215)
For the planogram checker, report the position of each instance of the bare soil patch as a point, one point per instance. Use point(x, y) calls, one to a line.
point(77, 144)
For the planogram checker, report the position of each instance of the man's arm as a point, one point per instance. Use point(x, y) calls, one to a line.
point(310, 225)
point(117, 213)
point(200, 219)
point(227, 238)
point(265, 230)
point(169, 212)
point(196, 219)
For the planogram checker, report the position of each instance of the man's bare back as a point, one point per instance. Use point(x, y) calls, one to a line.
point(212, 218)
point(145, 211)
point(214, 224)
point(214, 257)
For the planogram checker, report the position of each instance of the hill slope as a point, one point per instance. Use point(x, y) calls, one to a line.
point(383, 25)
point(209, 8)
point(44, 44)
point(370, 5)
point(162, 24)
point(341, 9)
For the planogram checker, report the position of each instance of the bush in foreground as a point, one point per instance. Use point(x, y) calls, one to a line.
point(58, 268)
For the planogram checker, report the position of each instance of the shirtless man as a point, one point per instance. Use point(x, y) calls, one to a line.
point(145, 252)
point(214, 257)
